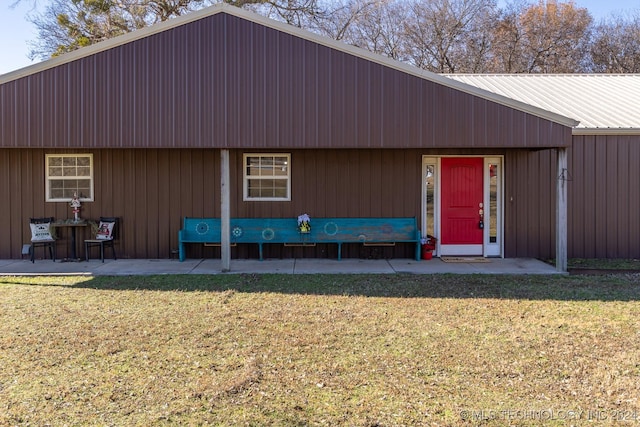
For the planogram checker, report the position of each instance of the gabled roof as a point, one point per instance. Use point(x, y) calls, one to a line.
point(602, 103)
point(303, 34)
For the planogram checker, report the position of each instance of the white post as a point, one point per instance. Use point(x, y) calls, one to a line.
point(225, 212)
point(561, 211)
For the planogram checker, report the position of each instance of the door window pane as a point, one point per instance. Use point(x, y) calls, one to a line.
point(493, 202)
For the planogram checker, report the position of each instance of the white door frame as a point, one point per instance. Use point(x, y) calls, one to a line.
point(488, 248)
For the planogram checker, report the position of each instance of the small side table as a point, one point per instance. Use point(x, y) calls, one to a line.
point(73, 225)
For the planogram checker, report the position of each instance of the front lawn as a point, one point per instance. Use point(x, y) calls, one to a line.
point(290, 350)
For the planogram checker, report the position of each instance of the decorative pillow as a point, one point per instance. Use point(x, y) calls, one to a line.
point(105, 231)
point(41, 232)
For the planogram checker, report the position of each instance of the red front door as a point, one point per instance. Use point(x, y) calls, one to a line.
point(461, 201)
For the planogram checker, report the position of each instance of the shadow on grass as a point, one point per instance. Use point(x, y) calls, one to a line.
point(618, 287)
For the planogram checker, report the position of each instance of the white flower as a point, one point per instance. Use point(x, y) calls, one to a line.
point(303, 218)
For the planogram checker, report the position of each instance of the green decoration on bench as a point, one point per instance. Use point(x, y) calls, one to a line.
point(368, 231)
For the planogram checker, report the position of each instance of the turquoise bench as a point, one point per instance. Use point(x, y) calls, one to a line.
point(198, 230)
point(368, 231)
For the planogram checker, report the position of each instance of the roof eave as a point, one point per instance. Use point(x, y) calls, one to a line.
point(605, 131)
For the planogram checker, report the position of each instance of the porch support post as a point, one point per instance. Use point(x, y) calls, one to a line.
point(225, 212)
point(561, 212)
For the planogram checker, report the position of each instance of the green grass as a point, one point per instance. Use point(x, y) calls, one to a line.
point(609, 264)
point(318, 350)
point(601, 263)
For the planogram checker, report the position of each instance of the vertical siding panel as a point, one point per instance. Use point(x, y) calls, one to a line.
point(32, 128)
point(600, 201)
point(512, 213)
point(531, 193)
point(622, 202)
point(152, 205)
point(214, 83)
point(129, 108)
point(76, 117)
point(177, 205)
point(522, 205)
point(427, 120)
point(48, 125)
point(362, 99)
point(272, 90)
point(350, 101)
point(245, 87)
point(310, 94)
point(440, 134)
point(547, 203)
point(413, 107)
point(141, 209)
point(634, 198)
point(577, 195)
point(234, 83)
point(168, 214)
point(139, 75)
point(611, 183)
point(337, 107)
point(182, 77)
point(88, 104)
point(479, 124)
point(590, 197)
point(367, 195)
point(376, 106)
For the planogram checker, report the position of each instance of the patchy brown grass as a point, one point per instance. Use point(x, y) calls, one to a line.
point(319, 350)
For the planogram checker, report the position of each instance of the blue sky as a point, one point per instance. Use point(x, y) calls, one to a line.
point(16, 31)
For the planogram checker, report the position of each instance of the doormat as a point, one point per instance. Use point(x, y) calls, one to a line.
point(464, 259)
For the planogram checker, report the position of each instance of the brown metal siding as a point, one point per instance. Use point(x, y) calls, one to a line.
point(603, 204)
point(152, 190)
point(530, 201)
point(604, 197)
point(226, 82)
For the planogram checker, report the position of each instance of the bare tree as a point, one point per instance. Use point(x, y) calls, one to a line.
point(444, 36)
point(449, 36)
point(616, 45)
point(66, 25)
point(342, 18)
point(549, 37)
point(377, 29)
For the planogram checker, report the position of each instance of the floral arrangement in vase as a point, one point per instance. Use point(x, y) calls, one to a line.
point(304, 223)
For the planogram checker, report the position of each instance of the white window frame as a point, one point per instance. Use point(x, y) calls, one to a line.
point(50, 178)
point(246, 177)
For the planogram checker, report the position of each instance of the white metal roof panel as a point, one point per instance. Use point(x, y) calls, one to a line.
point(607, 102)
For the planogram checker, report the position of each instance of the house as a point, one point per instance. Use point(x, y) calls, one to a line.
point(143, 125)
point(603, 169)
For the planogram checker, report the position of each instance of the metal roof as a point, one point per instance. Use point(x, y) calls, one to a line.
point(602, 103)
point(295, 31)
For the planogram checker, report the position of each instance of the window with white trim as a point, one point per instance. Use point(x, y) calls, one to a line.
point(267, 176)
point(67, 174)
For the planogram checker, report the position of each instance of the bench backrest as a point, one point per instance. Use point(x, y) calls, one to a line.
point(364, 230)
point(285, 230)
point(200, 230)
point(266, 230)
point(247, 230)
